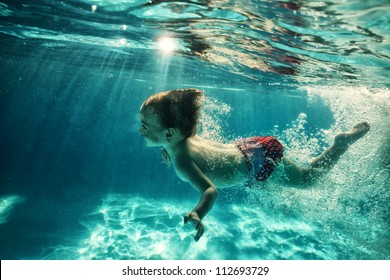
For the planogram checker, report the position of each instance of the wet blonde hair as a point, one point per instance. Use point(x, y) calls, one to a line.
point(178, 108)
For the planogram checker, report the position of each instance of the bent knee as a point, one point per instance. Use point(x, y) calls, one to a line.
point(301, 177)
point(295, 174)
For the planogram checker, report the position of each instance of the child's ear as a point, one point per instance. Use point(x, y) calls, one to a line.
point(170, 132)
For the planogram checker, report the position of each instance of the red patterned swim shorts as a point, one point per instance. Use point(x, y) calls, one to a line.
point(262, 155)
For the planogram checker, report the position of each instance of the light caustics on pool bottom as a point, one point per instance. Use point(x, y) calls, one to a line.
point(139, 228)
point(342, 216)
point(127, 227)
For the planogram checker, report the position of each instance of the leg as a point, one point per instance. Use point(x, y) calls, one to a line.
point(324, 162)
point(341, 143)
point(295, 174)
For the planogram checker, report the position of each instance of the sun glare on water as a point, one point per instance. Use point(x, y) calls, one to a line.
point(166, 44)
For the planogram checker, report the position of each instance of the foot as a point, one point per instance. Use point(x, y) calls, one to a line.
point(345, 139)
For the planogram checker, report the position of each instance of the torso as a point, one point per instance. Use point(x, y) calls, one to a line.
point(223, 164)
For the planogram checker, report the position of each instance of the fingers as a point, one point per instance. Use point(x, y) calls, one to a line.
point(187, 217)
point(196, 223)
point(200, 232)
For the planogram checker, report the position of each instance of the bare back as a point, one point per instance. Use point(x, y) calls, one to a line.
point(224, 164)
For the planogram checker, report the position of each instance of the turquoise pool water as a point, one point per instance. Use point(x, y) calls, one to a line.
point(77, 182)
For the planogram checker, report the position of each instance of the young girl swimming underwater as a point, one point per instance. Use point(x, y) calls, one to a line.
point(169, 120)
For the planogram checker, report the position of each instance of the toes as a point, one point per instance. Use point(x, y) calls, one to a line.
point(362, 127)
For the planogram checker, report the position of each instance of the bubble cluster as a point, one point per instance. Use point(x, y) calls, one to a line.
point(213, 116)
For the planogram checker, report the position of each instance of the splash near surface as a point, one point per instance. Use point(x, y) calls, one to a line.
point(311, 41)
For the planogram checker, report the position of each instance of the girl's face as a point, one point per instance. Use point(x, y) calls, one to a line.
point(151, 129)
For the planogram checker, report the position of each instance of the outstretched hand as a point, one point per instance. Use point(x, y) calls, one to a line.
point(193, 217)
